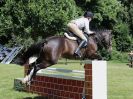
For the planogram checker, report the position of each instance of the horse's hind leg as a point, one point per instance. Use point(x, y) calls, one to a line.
point(32, 72)
point(28, 77)
point(42, 63)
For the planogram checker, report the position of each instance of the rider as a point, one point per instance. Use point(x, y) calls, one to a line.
point(79, 26)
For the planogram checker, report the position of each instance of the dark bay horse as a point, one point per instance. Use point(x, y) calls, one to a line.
point(47, 52)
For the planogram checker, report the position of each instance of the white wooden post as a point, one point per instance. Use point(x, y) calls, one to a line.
point(99, 79)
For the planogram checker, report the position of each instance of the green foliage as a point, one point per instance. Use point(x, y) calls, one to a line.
point(117, 55)
point(19, 41)
point(106, 12)
point(112, 14)
point(35, 18)
point(105, 54)
point(5, 21)
point(87, 0)
point(131, 17)
point(32, 20)
point(108, 9)
point(122, 38)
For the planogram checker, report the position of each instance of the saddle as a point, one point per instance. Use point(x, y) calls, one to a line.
point(72, 36)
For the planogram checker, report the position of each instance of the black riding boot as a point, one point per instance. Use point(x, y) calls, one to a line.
point(82, 44)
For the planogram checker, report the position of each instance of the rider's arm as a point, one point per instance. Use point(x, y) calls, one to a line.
point(87, 28)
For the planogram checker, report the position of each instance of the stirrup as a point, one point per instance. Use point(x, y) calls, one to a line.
point(85, 44)
point(78, 54)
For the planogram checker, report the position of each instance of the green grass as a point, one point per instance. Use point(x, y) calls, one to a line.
point(7, 75)
point(68, 67)
point(120, 80)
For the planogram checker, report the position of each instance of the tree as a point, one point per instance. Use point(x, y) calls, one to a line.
point(112, 14)
point(131, 18)
point(30, 19)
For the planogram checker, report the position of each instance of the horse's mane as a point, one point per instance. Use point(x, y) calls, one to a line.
point(102, 30)
point(99, 35)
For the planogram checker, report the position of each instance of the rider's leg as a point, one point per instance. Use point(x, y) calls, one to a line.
point(72, 27)
point(77, 52)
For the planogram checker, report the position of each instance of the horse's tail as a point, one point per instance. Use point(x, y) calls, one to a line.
point(33, 50)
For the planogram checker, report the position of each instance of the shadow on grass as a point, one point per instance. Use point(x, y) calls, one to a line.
point(36, 97)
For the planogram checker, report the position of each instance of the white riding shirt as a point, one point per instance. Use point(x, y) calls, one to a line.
point(83, 23)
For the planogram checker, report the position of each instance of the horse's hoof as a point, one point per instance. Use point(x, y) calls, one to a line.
point(23, 82)
point(28, 83)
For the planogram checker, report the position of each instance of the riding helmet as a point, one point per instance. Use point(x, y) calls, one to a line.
point(88, 14)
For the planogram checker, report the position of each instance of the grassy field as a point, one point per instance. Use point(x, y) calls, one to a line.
point(7, 75)
point(120, 81)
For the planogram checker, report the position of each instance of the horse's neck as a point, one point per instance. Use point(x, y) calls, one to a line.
point(98, 38)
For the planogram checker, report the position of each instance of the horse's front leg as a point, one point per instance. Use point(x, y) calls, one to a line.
point(96, 56)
